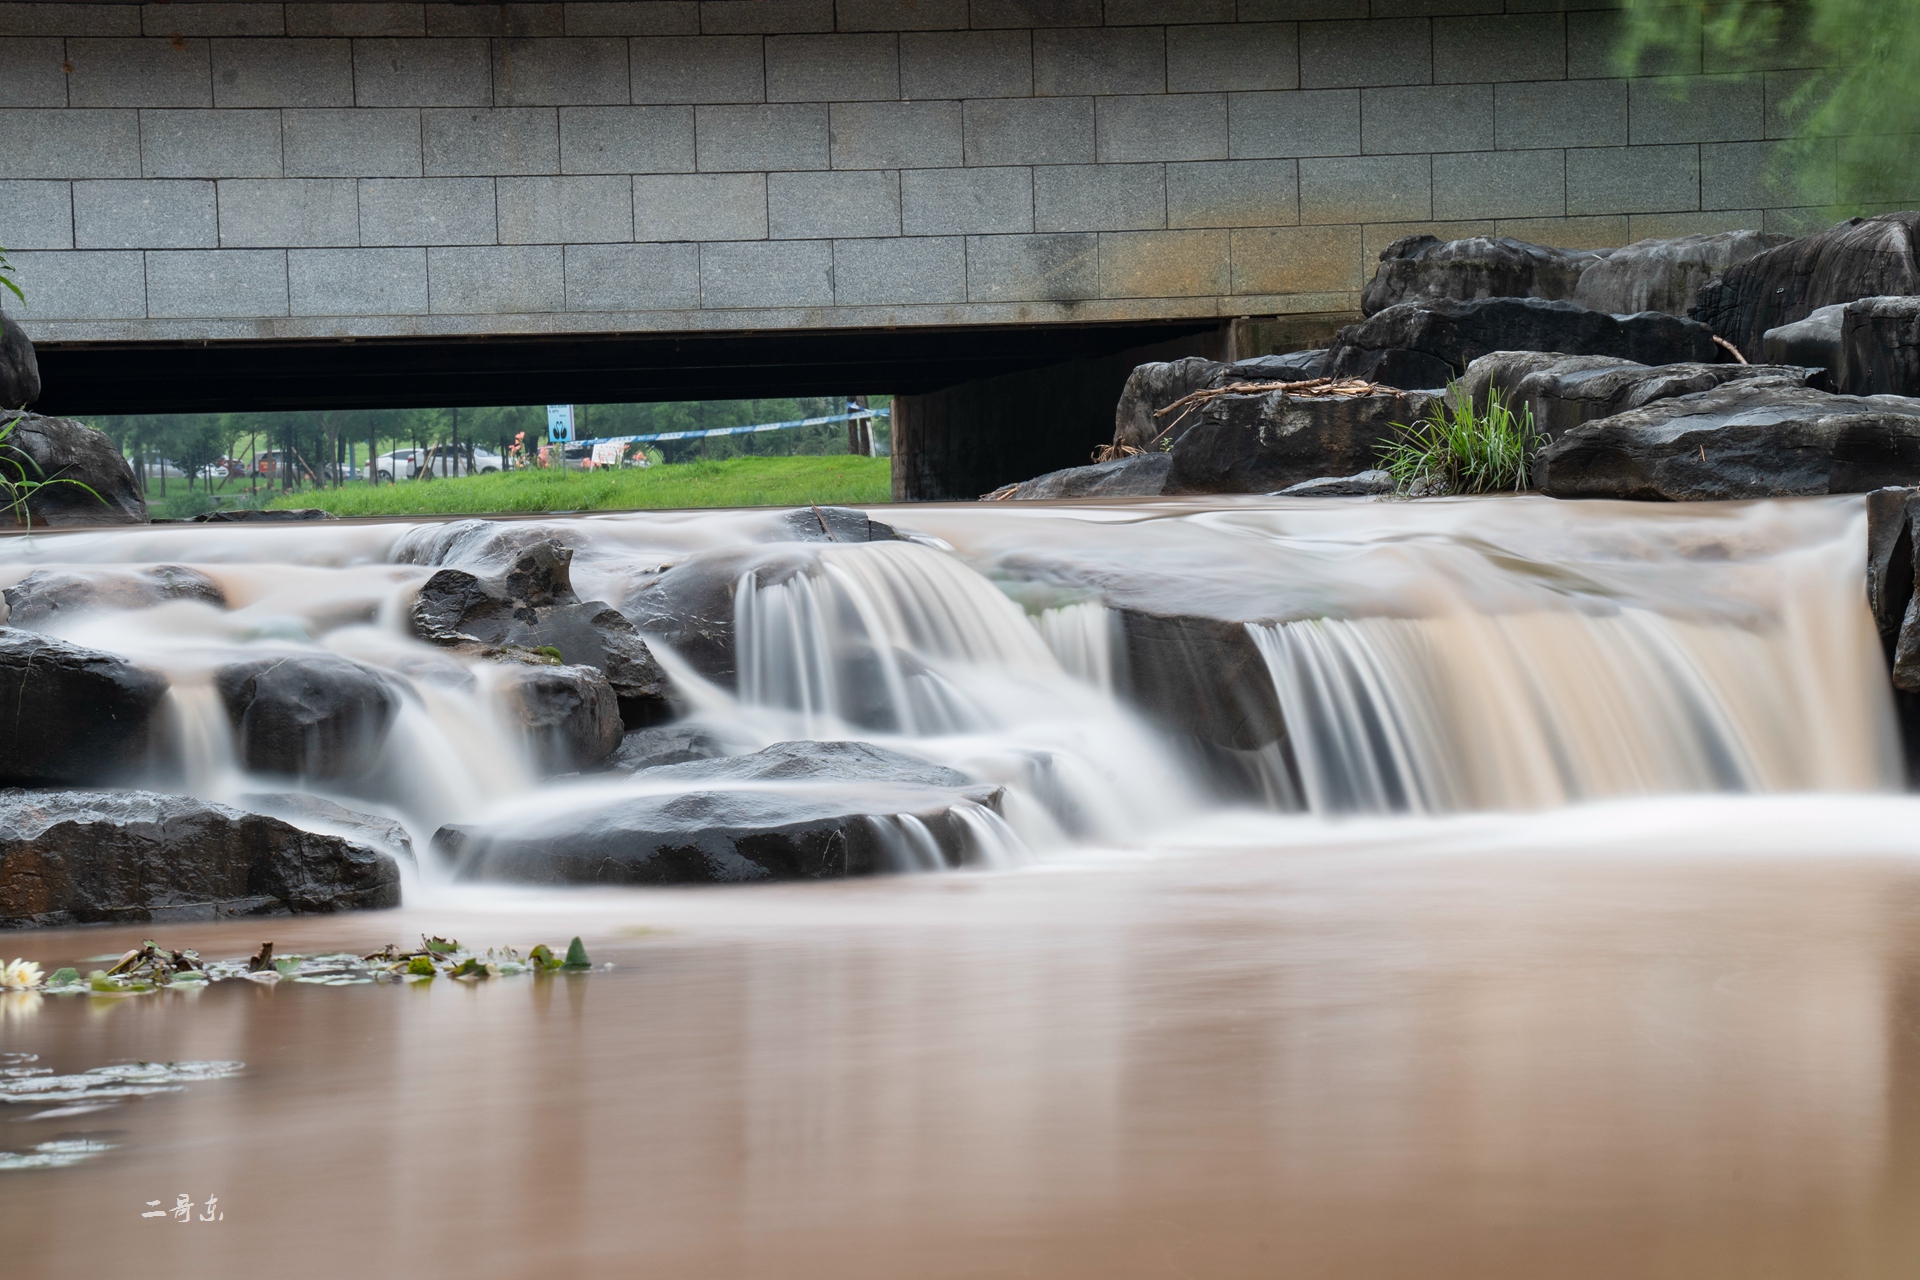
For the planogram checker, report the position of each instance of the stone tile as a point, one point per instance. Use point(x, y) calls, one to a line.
point(1300, 10)
point(1164, 264)
point(1759, 175)
point(1297, 260)
point(807, 206)
point(1030, 131)
point(1513, 47)
point(1366, 189)
point(901, 15)
point(356, 20)
point(357, 282)
point(1311, 122)
point(837, 68)
point(632, 277)
point(895, 135)
point(624, 18)
point(171, 20)
point(944, 202)
point(1568, 113)
point(1606, 232)
point(1163, 126)
point(227, 284)
point(1784, 119)
point(1500, 184)
point(1102, 197)
point(1697, 109)
point(463, 18)
point(1244, 56)
point(1150, 13)
point(497, 140)
point(139, 73)
point(1427, 118)
point(499, 280)
point(583, 210)
point(277, 213)
point(1099, 60)
point(210, 144)
point(1039, 268)
point(34, 75)
point(70, 144)
point(282, 73)
point(789, 136)
point(426, 211)
point(700, 206)
point(83, 286)
point(626, 139)
point(351, 142)
point(673, 69)
point(899, 271)
point(1034, 13)
point(965, 64)
point(767, 273)
point(147, 214)
point(39, 214)
point(1339, 55)
point(1593, 39)
point(532, 73)
point(422, 73)
point(1233, 193)
point(35, 18)
point(1633, 179)
point(765, 17)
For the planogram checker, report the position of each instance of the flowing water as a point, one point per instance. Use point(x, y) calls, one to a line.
point(1570, 928)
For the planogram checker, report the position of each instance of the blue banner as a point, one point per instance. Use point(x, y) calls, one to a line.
point(739, 431)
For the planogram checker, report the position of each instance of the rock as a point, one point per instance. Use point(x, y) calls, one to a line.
point(49, 595)
point(1858, 258)
point(1362, 484)
point(1813, 342)
point(71, 716)
point(1426, 344)
point(1891, 561)
point(829, 809)
point(314, 715)
point(1296, 366)
point(1201, 676)
point(97, 485)
point(1564, 391)
point(1259, 443)
point(1152, 387)
point(85, 857)
point(1666, 275)
point(1748, 439)
point(1426, 268)
point(311, 813)
point(835, 524)
point(19, 367)
point(665, 744)
point(244, 516)
point(1142, 475)
point(689, 607)
point(1880, 347)
point(570, 713)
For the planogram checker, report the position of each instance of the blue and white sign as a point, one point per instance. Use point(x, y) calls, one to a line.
point(560, 423)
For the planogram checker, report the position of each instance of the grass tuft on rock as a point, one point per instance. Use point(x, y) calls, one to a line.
point(1457, 448)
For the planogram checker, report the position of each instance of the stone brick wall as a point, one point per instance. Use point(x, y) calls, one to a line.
point(190, 170)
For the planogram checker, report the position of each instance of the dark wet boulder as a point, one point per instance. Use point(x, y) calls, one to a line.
point(243, 515)
point(690, 606)
point(822, 809)
point(313, 715)
point(1200, 676)
point(666, 744)
point(1141, 475)
point(1362, 484)
point(1257, 443)
point(46, 596)
point(84, 478)
point(1813, 342)
point(1858, 258)
point(1562, 392)
point(71, 716)
point(834, 524)
point(1425, 268)
point(1428, 343)
point(487, 546)
point(1294, 366)
point(1880, 347)
point(1151, 388)
point(19, 367)
point(311, 813)
point(1747, 439)
point(569, 713)
point(1891, 564)
point(1666, 275)
point(87, 857)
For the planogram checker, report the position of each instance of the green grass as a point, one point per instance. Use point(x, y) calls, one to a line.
point(731, 482)
point(1456, 448)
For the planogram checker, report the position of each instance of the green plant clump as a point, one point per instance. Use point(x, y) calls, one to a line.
point(1458, 448)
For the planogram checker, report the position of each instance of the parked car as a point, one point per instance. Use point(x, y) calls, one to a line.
point(473, 461)
point(401, 463)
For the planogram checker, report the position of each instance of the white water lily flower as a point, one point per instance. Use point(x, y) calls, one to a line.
point(21, 975)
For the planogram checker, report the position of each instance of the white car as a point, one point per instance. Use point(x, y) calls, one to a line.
point(407, 464)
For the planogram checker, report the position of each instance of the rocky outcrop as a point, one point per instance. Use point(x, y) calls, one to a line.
point(1666, 275)
point(1813, 342)
point(1426, 344)
point(311, 813)
point(313, 715)
point(689, 607)
point(84, 478)
point(1562, 392)
point(47, 596)
point(86, 857)
point(1201, 676)
point(1261, 442)
point(665, 744)
point(19, 367)
point(1425, 268)
point(1748, 439)
point(243, 515)
point(1880, 347)
point(1362, 484)
point(1858, 258)
point(1294, 366)
point(795, 811)
point(835, 524)
point(1891, 564)
point(570, 713)
point(1142, 475)
point(1151, 388)
point(71, 716)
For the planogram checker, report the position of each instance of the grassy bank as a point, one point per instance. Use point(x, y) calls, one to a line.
point(732, 482)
